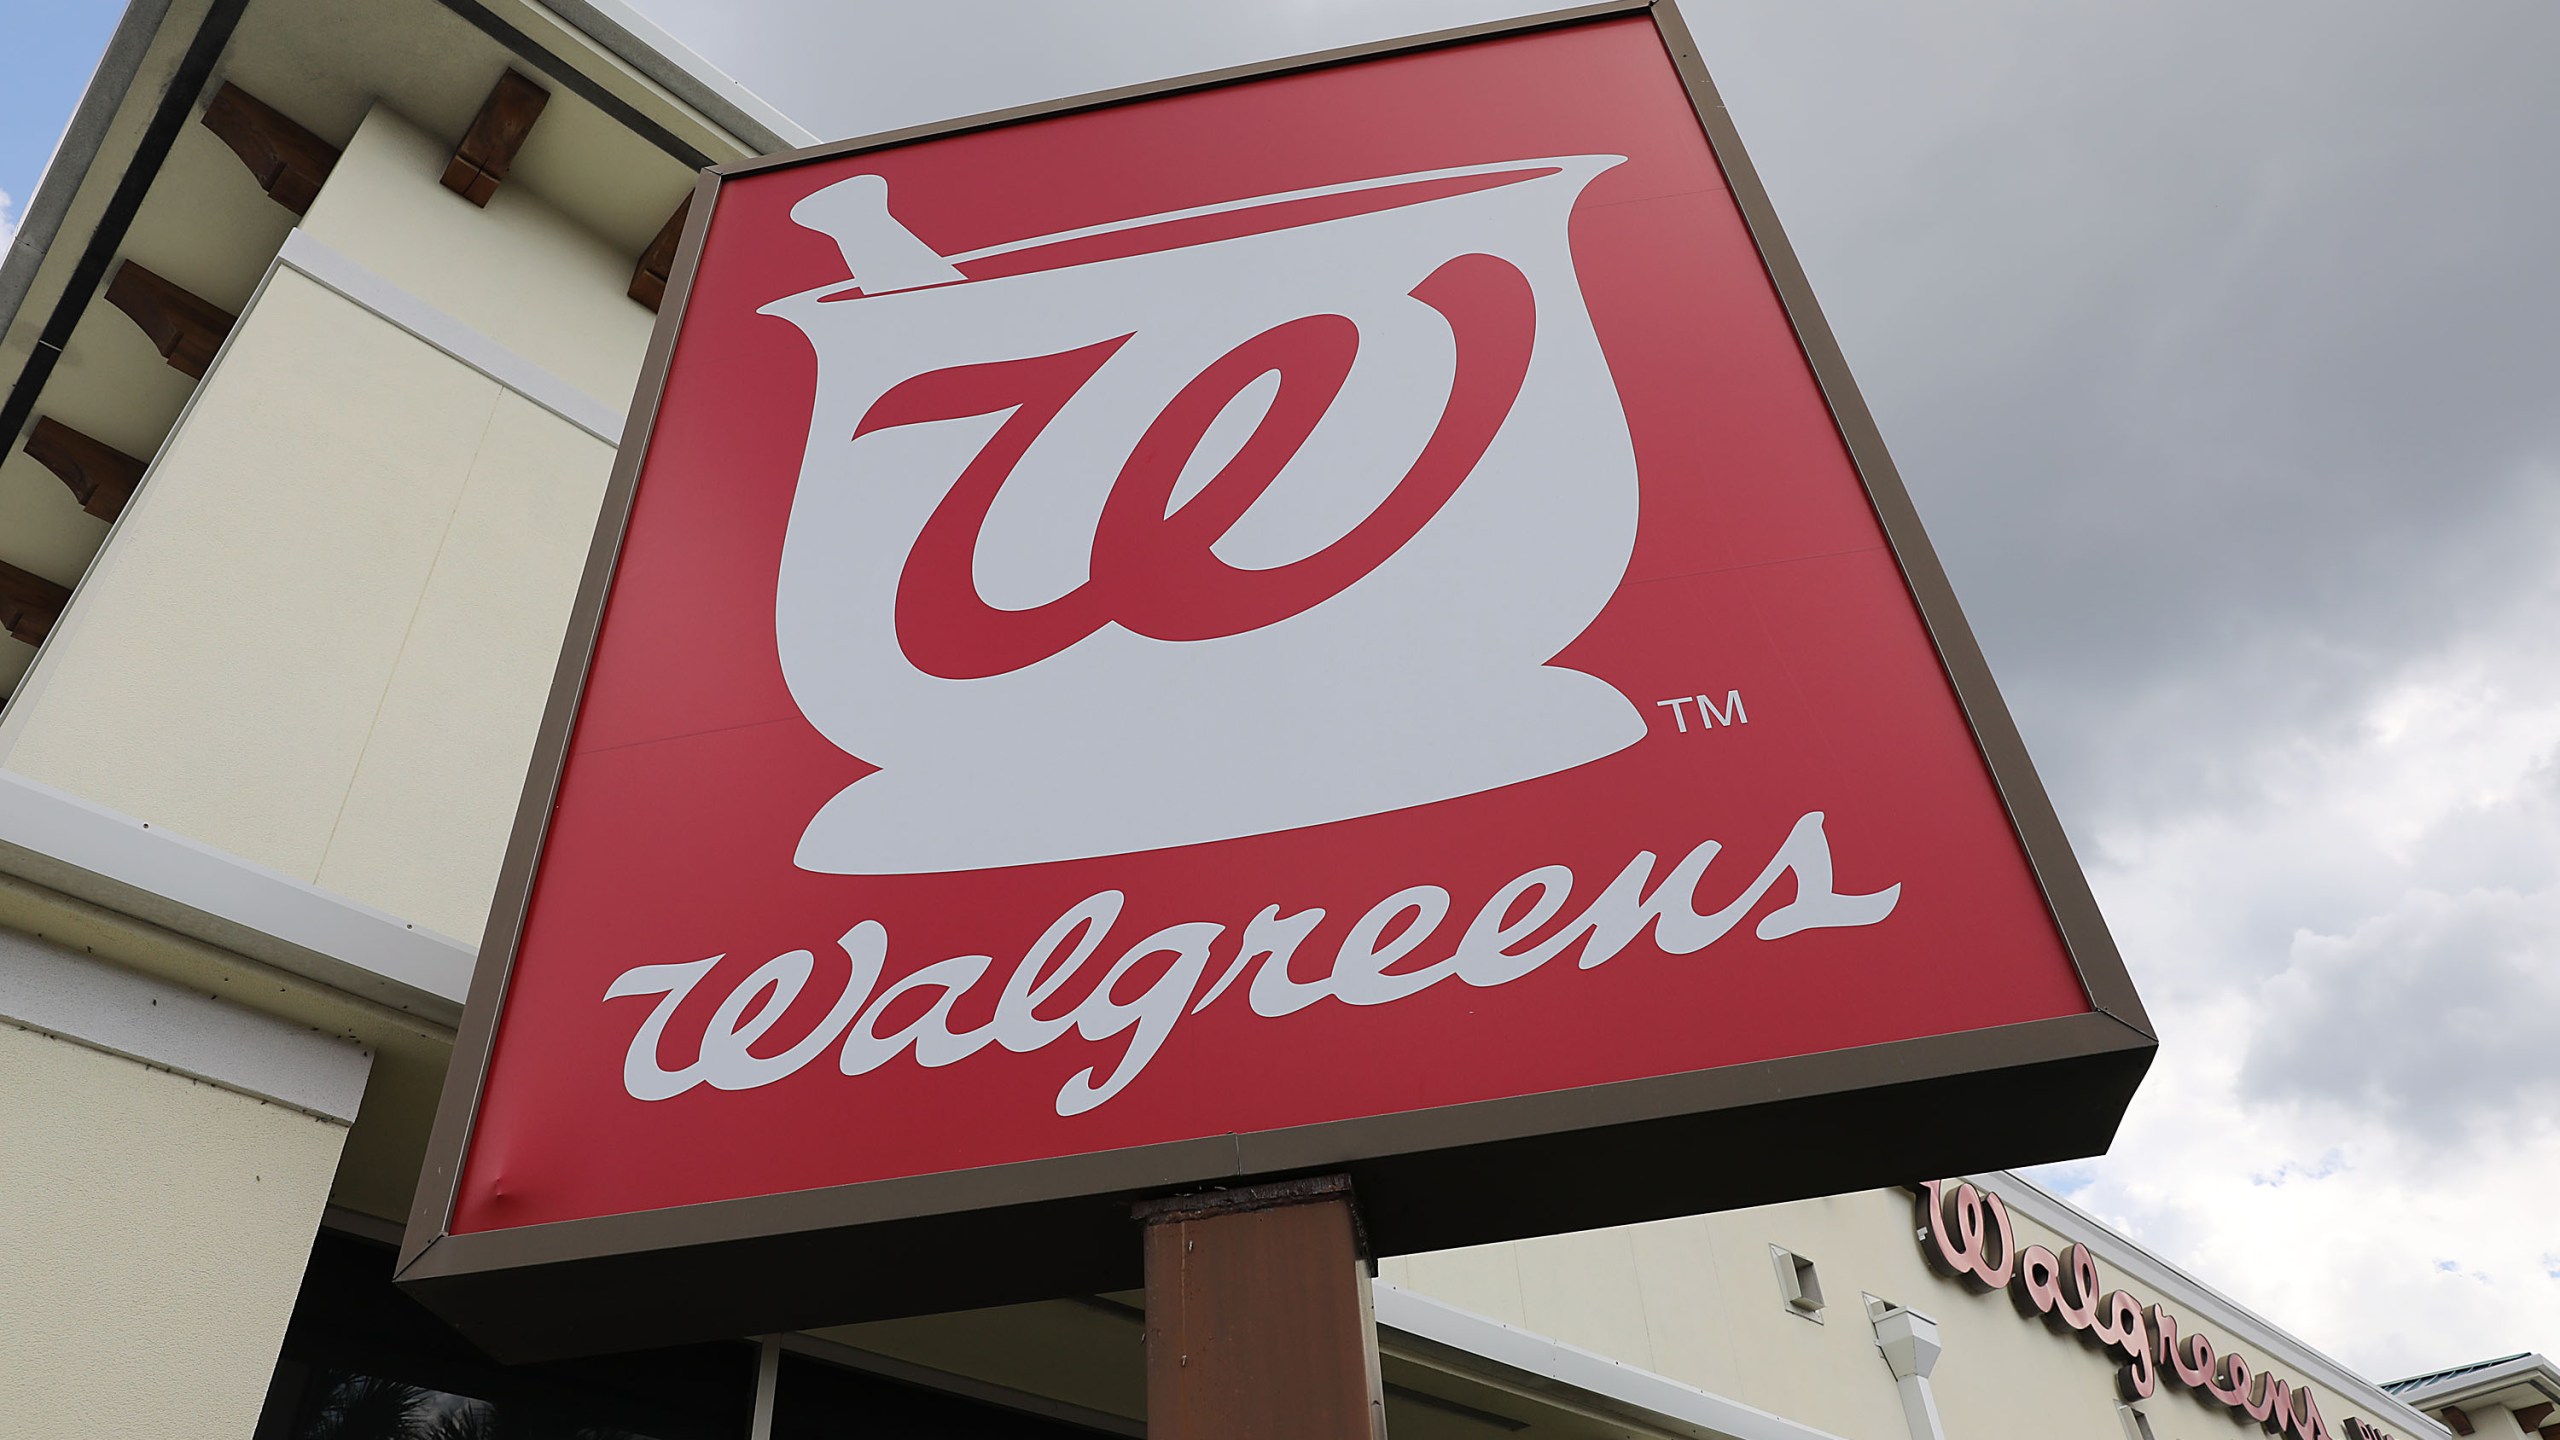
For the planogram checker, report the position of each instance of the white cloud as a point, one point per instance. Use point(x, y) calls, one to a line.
point(8, 219)
point(2352, 1125)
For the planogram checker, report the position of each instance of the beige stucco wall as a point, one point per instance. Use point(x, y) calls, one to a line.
point(426, 812)
point(2496, 1422)
point(153, 1231)
point(1698, 1299)
point(520, 271)
point(322, 635)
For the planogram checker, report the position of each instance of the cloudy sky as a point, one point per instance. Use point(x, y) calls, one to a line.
point(2220, 345)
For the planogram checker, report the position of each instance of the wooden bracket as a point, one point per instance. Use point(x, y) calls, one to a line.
point(289, 162)
point(496, 134)
point(29, 603)
point(186, 328)
point(101, 477)
point(649, 277)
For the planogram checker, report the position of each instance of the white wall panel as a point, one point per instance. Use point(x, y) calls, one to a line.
point(322, 636)
point(220, 670)
point(153, 1231)
point(427, 816)
point(519, 271)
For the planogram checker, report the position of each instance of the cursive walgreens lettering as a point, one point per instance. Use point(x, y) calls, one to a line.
point(1966, 1235)
point(1494, 948)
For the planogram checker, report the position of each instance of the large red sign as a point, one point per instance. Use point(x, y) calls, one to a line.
point(1236, 614)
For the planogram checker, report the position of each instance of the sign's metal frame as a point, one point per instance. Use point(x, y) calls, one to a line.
point(1602, 1154)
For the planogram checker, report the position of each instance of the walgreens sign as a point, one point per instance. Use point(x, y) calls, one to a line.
point(1345, 617)
point(1966, 1235)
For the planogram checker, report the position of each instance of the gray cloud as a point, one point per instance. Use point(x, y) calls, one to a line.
point(856, 67)
point(2212, 339)
point(2425, 1017)
point(2420, 1017)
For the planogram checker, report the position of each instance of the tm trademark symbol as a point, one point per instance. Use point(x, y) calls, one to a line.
point(1710, 715)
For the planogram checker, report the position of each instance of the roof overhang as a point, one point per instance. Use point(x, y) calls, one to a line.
point(2518, 1382)
point(164, 54)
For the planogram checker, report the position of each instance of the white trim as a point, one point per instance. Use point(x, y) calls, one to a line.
point(2168, 1283)
point(52, 988)
point(64, 843)
point(1557, 1371)
point(331, 269)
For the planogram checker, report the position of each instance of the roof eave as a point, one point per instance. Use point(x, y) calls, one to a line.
point(2470, 1385)
point(638, 42)
point(619, 31)
point(73, 155)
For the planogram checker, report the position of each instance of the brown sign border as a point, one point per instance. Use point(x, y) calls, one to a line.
point(1666, 1145)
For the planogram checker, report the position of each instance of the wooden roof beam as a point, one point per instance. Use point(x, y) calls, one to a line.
point(102, 478)
point(489, 148)
point(183, 326)
point(289, 162)
point(29, 603)
point(649, 277)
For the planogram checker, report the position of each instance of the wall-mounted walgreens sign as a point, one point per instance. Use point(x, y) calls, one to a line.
point(1966, 1235)
point(1340, 617)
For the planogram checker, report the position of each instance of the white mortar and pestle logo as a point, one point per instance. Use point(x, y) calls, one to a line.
point(1202, 524)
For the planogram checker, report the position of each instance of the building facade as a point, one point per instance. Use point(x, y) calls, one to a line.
point(318, 337)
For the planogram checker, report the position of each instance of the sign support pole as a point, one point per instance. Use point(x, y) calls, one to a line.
point(1258, 1318)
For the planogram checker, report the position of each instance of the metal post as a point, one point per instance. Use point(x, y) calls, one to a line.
point(1258, 1318)
point(768, 1380)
